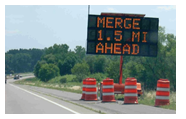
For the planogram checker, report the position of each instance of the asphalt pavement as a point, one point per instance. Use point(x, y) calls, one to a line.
point(19, 100)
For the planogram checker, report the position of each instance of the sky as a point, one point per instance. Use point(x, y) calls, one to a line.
point(40, 26)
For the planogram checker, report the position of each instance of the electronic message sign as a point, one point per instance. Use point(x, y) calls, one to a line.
point(122, 35)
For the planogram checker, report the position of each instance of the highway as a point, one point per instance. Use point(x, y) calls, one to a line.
point(25, 99)
point(22, 101)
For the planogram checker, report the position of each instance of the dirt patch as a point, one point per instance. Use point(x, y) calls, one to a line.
point(29, 83)
point(75, 87)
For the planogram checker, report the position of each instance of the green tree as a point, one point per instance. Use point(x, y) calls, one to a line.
point(100, 64)
point(68, 64)
point(81, 70)
point(48, 71)
point(38, 66)
point(22, 60)
point(80, 51)
point(90, 60)
point(50, 58)
point(113, 70)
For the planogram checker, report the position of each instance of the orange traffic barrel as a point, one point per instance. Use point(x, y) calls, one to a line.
point(83, 89)
point(130, 93)
point(91, 89)
point(108, 90)
point(162, 92)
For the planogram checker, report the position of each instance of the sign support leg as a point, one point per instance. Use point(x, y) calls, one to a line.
point(121, 64)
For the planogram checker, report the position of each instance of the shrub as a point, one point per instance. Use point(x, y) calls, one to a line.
point(80, 77)
point(81, 70)
point(98, 76)
point(75, 79)
point(113, 70)
point(37, 67)
point(48, 71)
point(63, 80)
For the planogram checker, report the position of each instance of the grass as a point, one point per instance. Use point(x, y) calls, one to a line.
point(119, 96)
point(148, 97)
point(57, 79)
point(54, 84)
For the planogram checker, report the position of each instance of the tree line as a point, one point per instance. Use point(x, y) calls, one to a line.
point(21, 60)
point(59, 60)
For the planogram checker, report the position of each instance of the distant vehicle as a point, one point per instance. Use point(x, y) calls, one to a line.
point(5, 79)
point(16, 77)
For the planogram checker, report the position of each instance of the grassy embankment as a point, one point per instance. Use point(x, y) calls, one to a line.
point(148, 98)
point(54, 83)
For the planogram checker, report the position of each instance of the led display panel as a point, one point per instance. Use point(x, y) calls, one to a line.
point(122, 35)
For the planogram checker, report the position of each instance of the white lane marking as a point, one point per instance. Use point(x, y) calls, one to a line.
point(46, 99)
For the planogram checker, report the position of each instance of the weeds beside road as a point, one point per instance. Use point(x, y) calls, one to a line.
point(148, 98)
point(54, 84)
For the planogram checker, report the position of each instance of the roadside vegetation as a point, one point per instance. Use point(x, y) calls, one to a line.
point(21, 60)
point(61, 68)
point(56, 83)
point(148, 98)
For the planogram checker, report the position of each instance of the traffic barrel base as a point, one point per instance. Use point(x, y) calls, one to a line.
point(91, 97)
point(162, 92)
point(131, 100)
point(160, 102)
point(108, 90)
point(91, 90)
point(130, 95)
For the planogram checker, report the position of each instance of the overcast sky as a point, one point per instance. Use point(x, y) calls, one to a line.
point(43, 26)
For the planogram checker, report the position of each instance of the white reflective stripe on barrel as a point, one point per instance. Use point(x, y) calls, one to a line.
point(130, 94)
point(163, 89)
point(84, 91)
point(90, 86)
point(162, 97)
point(84, 85)
point(104, 94)
point(108, 86)
point(90, 92)
point(130, 87)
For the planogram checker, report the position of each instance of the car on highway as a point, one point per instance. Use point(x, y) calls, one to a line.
point(5, 79)
point(16, 76)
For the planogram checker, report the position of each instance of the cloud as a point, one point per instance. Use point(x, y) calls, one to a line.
point(167, 8)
